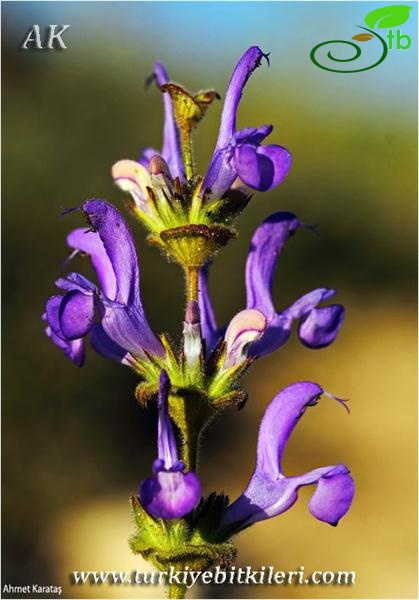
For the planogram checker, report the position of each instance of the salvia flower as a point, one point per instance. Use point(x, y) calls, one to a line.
point(269, 492)
point(262, 329)
point(111, 314)
point(240, 154)
point(170, 493)
point(171, 150)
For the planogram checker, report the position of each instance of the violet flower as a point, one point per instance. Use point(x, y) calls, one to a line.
point(171, 151)
point(154, 170)
point(269, 492)
point(111, 313)
point(170, 493)
point(239, 154)
point(318, 325)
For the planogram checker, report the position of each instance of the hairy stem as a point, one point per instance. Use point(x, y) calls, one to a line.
point(190, 452)
point(186, 147)
point(191, 274)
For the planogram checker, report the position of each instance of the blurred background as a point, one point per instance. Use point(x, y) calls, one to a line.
point(75, 444)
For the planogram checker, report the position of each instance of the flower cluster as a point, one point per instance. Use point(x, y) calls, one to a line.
point(190, 217)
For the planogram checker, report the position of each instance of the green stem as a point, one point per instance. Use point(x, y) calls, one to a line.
point(191, 274)
point(190, 452)
point(186, 147)
point(177, 591)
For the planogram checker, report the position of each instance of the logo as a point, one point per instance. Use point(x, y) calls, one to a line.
point(383, 18)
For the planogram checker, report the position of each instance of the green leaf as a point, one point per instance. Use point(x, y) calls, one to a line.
point(388, 16)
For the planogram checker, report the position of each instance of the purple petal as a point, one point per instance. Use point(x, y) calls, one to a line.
point(76, 282)
point(76, 315)
point(105, 346)
point(250, 60)
point(51, 314)
point(209, 327)
point(170, 495)
point(262, 167)
point(279, 327)
point(265, 249)
point(333, 496)
point(252, 135)
point(119, 247)
point(171, 151)
point(278, 422)
point(127, 326)
point(166, 441)
point(74, 349)
point(89, 242)
point(320, 326)
point(221, 173)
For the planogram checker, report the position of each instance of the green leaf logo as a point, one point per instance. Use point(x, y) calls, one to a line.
point(388, 16)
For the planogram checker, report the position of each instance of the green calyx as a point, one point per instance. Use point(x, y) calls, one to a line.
point(193, 245)
point(198, 393)
point(188, 109)
point(195, 541)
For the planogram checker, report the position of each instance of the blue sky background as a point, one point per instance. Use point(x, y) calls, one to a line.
point(204, 33)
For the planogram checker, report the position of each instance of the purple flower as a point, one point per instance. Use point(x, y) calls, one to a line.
point(170, 493)
point(154, 170)
point(269, 492)
point(318, 325)
point(239, 154)
point(111, 313)
point(171, 151)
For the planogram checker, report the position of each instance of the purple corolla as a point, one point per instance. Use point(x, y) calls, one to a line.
point(170, 151)
point(170, 493)
point(111, 313)
point(269, 492)
point(240, 154)
point(263, 329)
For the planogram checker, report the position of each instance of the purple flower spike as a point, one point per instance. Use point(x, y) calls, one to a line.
point(269, 492)
point(170, 493)
point(239, 153)
point(111, 314)
point(171, 151)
